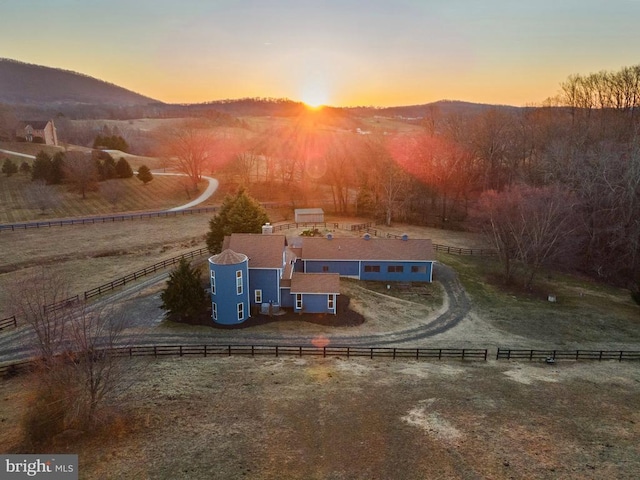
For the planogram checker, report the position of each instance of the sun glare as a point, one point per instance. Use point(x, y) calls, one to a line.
point(314, 97)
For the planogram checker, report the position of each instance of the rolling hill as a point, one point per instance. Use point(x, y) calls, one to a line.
point(28, 84)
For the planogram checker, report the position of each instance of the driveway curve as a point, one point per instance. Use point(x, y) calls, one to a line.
point(145, 309)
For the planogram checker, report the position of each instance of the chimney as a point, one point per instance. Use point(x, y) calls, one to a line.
point(267, 229)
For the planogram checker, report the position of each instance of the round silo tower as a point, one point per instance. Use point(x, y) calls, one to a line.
point(229, 276)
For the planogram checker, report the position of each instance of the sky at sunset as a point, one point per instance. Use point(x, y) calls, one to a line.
point(337, 52)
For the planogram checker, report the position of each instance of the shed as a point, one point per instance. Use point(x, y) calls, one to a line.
point(309, 215)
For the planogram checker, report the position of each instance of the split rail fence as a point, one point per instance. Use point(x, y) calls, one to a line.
point(620, 355)
point(477, 354)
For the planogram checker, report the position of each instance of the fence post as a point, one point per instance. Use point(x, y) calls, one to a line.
point(205, 350)
point(300, 351)
point(252, 351)
point(276, 350)
point(324, 352)
point(229, 347)
point(621, 352)
point(371, 353)
point(348, 352)
point(463, 354)
point(394, 353)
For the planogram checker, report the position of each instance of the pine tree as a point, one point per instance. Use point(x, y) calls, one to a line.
point(144, 174)
point(9, 168)
point(238, 214)
point(123, 169)
point(41, 167)
point(184, 298)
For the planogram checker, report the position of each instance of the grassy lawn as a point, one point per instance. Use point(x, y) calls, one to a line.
point(585, 311)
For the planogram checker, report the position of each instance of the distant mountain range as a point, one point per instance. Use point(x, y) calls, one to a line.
point(52, 89)
point(28, 84)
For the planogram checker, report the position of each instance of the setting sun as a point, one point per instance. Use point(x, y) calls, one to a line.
point(314, 96)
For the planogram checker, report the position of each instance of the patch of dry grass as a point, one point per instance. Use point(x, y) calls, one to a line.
point(268, 418)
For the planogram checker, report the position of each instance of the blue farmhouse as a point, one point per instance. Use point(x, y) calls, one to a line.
point(263, 272)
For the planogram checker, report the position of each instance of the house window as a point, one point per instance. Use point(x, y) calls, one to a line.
point(214, 310)
point(239, 282)
point(240, 312)
point(213, 282)
point(395, 269)
point(258, 296)
point(331, 301)
point(371, 268)
point(325, 268)
point(418, 269)
point(298, 301)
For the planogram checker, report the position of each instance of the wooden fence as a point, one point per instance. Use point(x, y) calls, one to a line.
point(105, 219)
point(478, 354)
point(301, 351)
point(126, 279)
point(620, 355)
point(158, 351)
point(8, 322)
point(484, 252)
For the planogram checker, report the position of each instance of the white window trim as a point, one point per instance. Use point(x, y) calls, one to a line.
point(239, 286)
point(213, 282)
point(257, 295)
point(214, 310)
point(331, 301)
point(298, 301)
point(240, 311)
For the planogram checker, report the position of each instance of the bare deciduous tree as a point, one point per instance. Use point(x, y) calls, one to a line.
point(42, 196)
point(534, 226)
point(80, 172)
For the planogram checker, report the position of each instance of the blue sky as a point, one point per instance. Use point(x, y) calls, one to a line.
point(338, 52)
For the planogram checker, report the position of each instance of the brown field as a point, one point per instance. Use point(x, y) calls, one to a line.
point(291, 418)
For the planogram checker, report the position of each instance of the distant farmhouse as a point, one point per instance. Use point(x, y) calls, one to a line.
point(37, 131)
point(261, 273)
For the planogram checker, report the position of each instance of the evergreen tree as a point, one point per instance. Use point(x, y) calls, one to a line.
point(184, 298)
point(56, 174)
point(238, 214)
point(144, 174)
point(25, 168)
point(106, 166)
point(41, 167)
point(9, 168)
point(123, 169)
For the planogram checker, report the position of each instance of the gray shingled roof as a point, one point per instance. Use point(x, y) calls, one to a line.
point(264, 251)
point(350, 248)
point(315, 283)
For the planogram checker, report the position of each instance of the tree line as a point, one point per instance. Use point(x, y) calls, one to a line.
point(551, 185)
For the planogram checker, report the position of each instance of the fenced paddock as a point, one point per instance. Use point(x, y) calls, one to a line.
point(600, 355)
